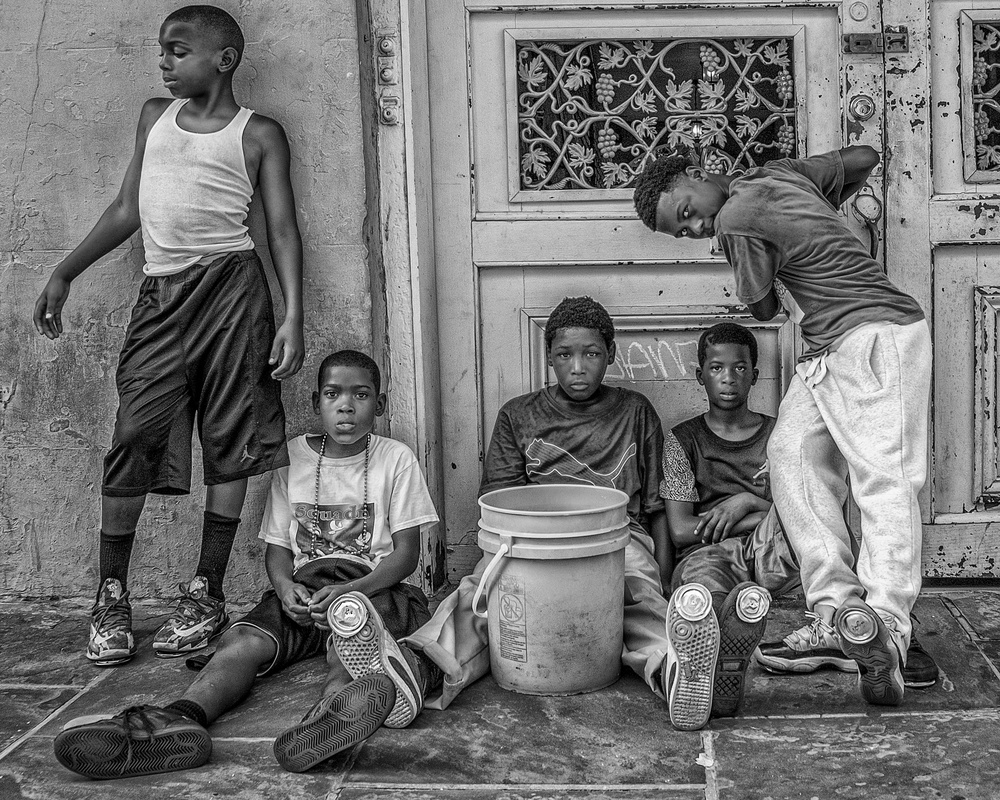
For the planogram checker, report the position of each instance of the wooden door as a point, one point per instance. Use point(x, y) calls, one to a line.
point(540, 118)
point(943, 246)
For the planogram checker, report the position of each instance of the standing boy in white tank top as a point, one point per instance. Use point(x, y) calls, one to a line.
point(201, 345)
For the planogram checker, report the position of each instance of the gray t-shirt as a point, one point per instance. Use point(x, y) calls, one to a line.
point(616, 445)
point(780, 229)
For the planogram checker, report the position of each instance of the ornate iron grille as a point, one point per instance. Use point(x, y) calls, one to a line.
point(985, 87)
point(589, 113)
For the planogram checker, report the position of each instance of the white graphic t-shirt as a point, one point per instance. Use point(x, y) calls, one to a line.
point(397, 499)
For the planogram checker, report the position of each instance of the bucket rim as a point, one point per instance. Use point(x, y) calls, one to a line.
point(532, 486)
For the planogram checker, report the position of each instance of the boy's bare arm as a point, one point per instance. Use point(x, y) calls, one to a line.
point(737, 514)
point(733, 516)
point(284, 241)
point(391, 570)
point(279, 563)
point(118, 222)
point(663, 548)
point(682, 523)
point(859, 161)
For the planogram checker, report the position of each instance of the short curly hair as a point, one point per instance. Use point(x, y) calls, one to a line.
point(350, 358)
point(218, 22)
point(580, 312)
point(657, 177)
point(727, 333)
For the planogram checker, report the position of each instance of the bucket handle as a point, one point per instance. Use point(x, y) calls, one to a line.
point(505, 547)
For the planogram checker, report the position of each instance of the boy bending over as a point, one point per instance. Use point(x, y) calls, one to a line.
point(857, 404)
point(731, 552)
point(342, 524)
point(201, 342)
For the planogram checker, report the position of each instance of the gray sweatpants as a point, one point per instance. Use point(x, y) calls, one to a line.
point(859, 411)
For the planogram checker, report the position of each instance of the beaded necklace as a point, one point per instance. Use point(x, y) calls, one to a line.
point(314, 532)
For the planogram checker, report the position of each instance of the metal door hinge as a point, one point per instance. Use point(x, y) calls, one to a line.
point(897, 41)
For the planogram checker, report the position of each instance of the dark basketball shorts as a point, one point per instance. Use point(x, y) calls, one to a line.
point(196, 353)
point(403, 609)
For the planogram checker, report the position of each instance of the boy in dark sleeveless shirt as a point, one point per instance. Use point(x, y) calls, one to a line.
point(201, 346)
point(731, 552)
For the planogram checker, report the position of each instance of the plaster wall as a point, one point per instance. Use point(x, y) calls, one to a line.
point(73, 77)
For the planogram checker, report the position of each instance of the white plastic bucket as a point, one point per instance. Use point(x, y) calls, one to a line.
point(554, 587)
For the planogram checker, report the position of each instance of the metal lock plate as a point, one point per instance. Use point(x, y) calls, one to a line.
point(892, 41)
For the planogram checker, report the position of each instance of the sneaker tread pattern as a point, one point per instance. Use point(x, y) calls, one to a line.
point(336, 723)
point(737, 642)
point(105, 751)
point(372, 650)
point(690, 687)
point(879, 675)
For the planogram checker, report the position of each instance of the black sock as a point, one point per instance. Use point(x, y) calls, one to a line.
point(191, 710)
point(216, 545)
point(115, 554)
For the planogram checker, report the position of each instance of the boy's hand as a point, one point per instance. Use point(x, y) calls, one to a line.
point(718, 522)
point(321, 601)
point(287, 350)
point(295, 601)
point(48, 307)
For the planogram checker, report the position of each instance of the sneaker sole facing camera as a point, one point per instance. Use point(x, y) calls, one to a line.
point(112, 748)
point(365, 647)
point(742, 620)
point(867, 641)
point(336, 723)
point(692, 652)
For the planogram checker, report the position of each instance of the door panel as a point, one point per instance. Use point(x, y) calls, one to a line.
point(534, 161)
point(943, 242)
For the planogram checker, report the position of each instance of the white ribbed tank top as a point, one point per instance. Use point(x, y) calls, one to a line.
point(194, 192)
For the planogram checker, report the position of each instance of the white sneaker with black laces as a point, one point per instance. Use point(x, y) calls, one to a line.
point(811, 647)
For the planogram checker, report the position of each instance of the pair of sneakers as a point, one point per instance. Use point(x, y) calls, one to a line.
point(197, 617)
point(147, 739)
point(818, 646)
point(386, 688)
point(704, 672)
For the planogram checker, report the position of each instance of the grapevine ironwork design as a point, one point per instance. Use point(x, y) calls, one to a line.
point(985, 88)
point(591, 112)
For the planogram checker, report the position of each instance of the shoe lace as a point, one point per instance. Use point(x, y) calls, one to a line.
point(189, 608)
point(811, 635)
point(113, 615)
point(136, 717)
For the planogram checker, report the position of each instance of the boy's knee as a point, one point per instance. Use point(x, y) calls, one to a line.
point(246, 643)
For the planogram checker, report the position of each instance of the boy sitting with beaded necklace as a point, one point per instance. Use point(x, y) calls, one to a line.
point(343, 521)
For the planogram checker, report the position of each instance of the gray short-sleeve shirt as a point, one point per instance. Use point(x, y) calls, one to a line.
point(780, 229)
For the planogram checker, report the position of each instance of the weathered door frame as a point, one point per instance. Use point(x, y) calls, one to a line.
point(399, 235)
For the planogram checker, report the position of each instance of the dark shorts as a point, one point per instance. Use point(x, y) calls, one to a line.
point(403, 609)
point(196, 352)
